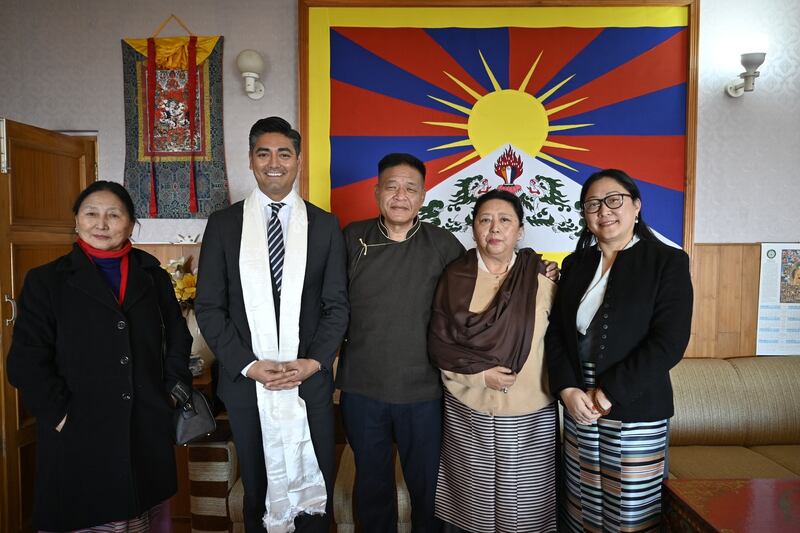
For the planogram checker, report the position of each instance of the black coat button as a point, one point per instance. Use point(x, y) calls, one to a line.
point(605, 315)
point(124, 360)
point(604, 336)
point(121, 324)
point(126, 396)
point(606, 306)
point(605, 326)
point(602, 347)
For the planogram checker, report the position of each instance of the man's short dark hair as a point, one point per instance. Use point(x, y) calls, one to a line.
point(274, 125)
point(397, 159)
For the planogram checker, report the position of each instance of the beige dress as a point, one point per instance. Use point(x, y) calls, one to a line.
point(497, 469)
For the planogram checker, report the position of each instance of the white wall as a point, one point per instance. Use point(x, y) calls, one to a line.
point(748, 148)
point(60, 68)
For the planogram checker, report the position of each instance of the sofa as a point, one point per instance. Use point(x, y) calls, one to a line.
point(216, 491)
point(734, 418)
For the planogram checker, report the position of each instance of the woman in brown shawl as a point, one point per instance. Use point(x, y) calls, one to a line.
point(490, 314)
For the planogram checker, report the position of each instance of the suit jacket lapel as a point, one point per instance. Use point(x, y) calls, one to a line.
point(311, 217)
point(87, 279)
point(582, 273)
point(139, 282)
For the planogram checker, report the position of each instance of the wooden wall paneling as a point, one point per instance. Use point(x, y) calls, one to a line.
point(729, 301)
point(751, 276)
point(706, 265)
point(165, 252)
point(725, 278)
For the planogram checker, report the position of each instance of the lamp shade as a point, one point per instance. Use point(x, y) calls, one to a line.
point(250, 61)
point(752, 61)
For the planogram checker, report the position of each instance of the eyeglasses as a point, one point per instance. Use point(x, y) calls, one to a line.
point(612, 201)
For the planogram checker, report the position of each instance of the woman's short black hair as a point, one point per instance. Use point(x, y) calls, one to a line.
point(498, 194)
point(641, 229)
point(111, 186)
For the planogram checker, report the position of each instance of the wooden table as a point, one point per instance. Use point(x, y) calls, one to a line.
point(732, 505)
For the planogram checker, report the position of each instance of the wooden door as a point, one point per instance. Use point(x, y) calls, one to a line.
point(41, 174)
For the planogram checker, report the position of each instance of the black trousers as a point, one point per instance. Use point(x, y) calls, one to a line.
point(246, 428)
point(371, 427)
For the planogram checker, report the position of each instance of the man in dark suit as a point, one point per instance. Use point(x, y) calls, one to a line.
point(223, 303)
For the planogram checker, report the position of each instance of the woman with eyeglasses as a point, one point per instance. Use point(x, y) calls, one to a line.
point(620, 321)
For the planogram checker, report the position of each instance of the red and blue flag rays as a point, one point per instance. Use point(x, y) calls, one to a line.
point(605, 99)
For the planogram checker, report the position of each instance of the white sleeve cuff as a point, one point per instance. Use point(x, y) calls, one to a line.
point(245, 369)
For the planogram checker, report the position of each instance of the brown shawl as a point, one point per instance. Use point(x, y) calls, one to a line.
point(467, 343)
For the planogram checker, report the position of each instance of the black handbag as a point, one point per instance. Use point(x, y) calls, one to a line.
point(193, 416)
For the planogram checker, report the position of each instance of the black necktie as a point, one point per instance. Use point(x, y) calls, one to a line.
point(275, 244)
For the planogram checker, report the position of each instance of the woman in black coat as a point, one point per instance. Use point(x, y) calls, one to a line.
point(620, 321)
point(87, 358)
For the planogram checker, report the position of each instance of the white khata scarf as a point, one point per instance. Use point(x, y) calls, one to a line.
point(294, 481)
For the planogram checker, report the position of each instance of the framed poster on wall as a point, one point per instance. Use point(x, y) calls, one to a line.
point(529, 97)
point(779, 299)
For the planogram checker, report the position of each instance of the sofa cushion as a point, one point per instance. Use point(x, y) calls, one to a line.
point(212, 472)
point(236, 503)
point(788, 456)
point(723, 462)
point(343, 491)
point(709, 410)
point(403, 498)
point(770, 386)
point(343, 508)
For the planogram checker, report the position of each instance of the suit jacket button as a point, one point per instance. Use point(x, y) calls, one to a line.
point(605, 315)
point(605, 326)
point(126, 396)
point(124, 360)
point(121, 324)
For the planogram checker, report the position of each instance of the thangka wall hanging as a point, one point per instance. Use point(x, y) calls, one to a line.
point(174, 149)
point(531, 100)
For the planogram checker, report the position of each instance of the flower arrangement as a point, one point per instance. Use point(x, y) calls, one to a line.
point(183, 281)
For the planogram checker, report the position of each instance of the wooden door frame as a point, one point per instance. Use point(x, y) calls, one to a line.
point(40, 232)
point(5, 312)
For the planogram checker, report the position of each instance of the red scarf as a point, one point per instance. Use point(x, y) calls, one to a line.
point(121, 254)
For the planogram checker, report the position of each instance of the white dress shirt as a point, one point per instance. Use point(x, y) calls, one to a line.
point(593, 297)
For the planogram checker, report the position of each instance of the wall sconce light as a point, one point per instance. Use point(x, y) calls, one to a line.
point(750, 62)
point(251, 66)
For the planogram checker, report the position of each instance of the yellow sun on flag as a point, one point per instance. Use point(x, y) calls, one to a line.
point(507, 116)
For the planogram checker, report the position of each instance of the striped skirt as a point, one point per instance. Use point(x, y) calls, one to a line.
point(613, 473)
point(497, 474)
point(157, 520)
